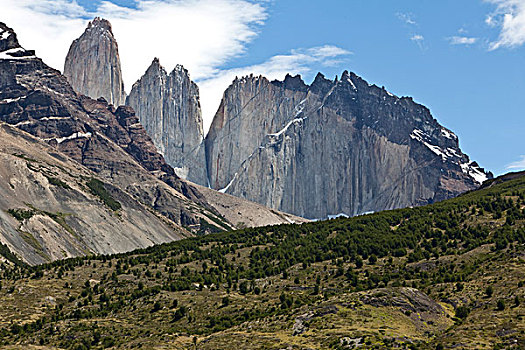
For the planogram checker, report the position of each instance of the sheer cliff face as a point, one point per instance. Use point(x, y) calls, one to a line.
point(169, 109)
point(332, 147)
point(92, 65)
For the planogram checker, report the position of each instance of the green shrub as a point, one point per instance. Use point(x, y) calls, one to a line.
point(97, 188)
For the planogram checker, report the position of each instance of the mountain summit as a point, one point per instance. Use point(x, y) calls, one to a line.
point(79, 176)
point(92, 65)
point(169, 109)
point(10, 49)
point(332, 147)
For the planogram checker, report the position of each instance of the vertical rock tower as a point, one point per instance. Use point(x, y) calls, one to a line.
point(169, 109)
point(92, 64)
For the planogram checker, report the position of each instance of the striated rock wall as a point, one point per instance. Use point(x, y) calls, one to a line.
point(332, 147)
point(169, 109)
point(251, 108)
point(92, 64)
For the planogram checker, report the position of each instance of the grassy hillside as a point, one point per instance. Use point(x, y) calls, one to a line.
point(448, 275)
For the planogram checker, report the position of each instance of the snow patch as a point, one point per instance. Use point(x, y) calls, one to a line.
point(25, 122)
point(75, 135)
point(53, 118)
point(477, 174)
point(296, 120)
point(351, 83)
point(449, 152)
point(5, 35)
point(448, 134)
point(7, 55)
point(420, 136)
point(9, 100)
point(223, 190)
point(299, 108)
point(338, 216)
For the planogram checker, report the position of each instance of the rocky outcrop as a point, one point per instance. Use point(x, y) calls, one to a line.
point(168, 107)
point(79, 176)
point(334, 147)
point(92, 65)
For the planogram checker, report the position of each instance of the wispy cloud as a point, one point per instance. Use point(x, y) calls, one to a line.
point(299, 61)
point(200, 34)
point(462, 40)
point(407, 18)
point(517, 165)
point(409, 21)
point(509, 17)
point(419, 40)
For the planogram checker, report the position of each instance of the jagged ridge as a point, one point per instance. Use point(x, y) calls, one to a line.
point(168, 107)
point(332, 147)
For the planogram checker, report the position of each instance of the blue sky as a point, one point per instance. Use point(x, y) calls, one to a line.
point(465, 60)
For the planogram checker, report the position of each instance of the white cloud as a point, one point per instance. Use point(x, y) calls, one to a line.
point(300, 61)
point(462, 40)
point(509, 17)
point(200, 34)
point(517, 165)
point(407, 18)
point(47, 26)
point(409, 21)
point(417, 38)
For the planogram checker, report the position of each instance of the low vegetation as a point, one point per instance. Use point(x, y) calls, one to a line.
point(97, 188)
point(448, 275)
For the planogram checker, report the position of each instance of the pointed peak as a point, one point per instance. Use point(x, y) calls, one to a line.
point(321, 85)
point(179, 68)
point(348, 78)
point(294, 83)
point(8, 38)
point(155, 65)
point(99, 22)
point(155, 68)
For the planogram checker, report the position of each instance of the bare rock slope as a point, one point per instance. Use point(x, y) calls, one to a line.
point(50, 211)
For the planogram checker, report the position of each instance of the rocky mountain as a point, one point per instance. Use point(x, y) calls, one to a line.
point(332, 147)
point(92, 65)
point(80, 176)
point(329, 148)
point(168, 107)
